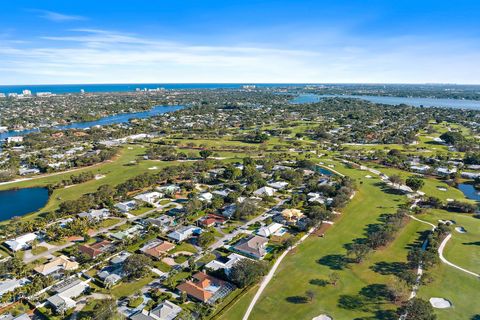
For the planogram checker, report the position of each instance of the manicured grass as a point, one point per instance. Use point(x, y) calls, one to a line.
point(431, 184)
point(115, 172)
point(125, 289)
point(108, 223)
point(184, 246)
point(317, 257)
point(236, 310)
point(206, 258)
point(462, 249)
point(162, 266)
point(140, 210)
point(456, 286)
point(38, 250)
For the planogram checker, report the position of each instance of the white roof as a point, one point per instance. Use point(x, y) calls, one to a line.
point(95, 213)
point(278, 184)
point(265, 191)
point(232, 259)
point(21, 242)
point(205, 196)
point(270, 229)
point(149, 196)
point(11, 284)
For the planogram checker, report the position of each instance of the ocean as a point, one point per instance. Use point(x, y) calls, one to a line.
point(119, 87)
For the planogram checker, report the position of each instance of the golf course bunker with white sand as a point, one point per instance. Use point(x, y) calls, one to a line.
point(460, 230)
point(322, 317)
point(440, 303)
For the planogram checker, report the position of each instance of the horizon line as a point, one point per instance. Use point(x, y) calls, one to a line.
point(248, 83)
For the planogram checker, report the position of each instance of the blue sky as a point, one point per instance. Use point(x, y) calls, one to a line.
point(43, 42)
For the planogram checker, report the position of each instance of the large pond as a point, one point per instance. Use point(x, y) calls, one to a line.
point(118, 118)
point(417, 102)
point(469, 191)
point(18, 202)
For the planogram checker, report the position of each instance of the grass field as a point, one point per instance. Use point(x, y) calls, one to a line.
point(462, 249)
point(458, 287)
point(115, 172)
point(452, 284)
point(317, 257)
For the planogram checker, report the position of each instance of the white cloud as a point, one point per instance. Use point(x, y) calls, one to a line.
point(103, 56)
point(58, 17)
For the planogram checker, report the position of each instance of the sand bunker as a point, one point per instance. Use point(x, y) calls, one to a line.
point(368, 176)
point(442, 188)
point(99, 176)
point(153, 168)
point(440, 303)
point(322, 317)
point(460, 230)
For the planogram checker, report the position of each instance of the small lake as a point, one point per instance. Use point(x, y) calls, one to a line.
point(114, 119)
point(324, 171)
point(469, 191)
point(412, 101)
point(18, 202)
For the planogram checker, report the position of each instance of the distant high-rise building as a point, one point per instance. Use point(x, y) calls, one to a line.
point(82, 91)
point(2, 95)
point(44, 94)
point(27, 92)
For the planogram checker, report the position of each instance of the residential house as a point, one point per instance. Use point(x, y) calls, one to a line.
point(163, 222)
point(129, 233)
point(157, 248)
point(22, 242)
point(229, 210)
point(212, 220)
point(183, 233)
point(206, 197)
point(126, 206)
point(443, 171)
point(279, 185)
point(205, 288)
point(470, 175)
point(224, 263)
point(23, 316)
point(420, 168)
point(149, 197)
point(164, 311)
point(264, 191)
point(269, 230)
point(95, 214)
point(56, 266)
point(12, 284)
point(65, 293)
point(113, 273)
point(96, 249)
point(253, 247)
point(292, 215)
point(170, 189)
point(221, 193)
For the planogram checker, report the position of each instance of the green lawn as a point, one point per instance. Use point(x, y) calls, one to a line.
point(115, 172)
point(236, 310)
point(317, 257)
point(125, 289)
point(456, 286)
point(39, 249)
point(184, 246)
point(462, 249)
